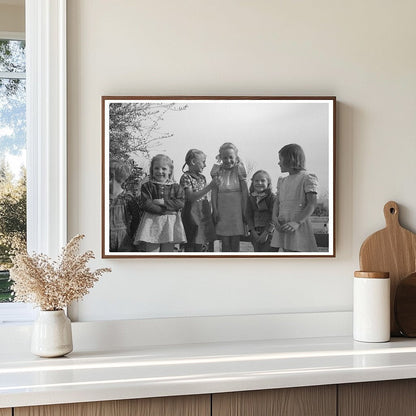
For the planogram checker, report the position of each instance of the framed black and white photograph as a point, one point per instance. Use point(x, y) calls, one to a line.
point(218, 176)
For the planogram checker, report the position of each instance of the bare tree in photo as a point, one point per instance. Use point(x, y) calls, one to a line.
point(135, 127)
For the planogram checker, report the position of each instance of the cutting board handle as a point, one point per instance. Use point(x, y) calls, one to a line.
point(391, 214)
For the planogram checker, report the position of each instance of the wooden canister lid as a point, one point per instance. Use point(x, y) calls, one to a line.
point(372, 275)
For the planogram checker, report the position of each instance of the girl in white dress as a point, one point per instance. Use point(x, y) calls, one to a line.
point(295, 203)
point(161, 200)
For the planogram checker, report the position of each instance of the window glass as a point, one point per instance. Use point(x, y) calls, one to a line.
point(12, 156)
point(12, 56)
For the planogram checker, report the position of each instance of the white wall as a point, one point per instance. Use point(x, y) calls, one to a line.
point(363, 52)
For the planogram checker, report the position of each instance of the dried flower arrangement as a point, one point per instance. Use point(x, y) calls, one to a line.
point(53, 285)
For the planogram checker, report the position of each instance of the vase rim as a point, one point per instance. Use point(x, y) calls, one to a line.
point(58, 310)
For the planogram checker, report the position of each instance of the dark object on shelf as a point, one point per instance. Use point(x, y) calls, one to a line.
point(405, 306)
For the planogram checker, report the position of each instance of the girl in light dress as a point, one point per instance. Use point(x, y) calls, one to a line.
point(259, 211)
point(161, 200)
point(229, 199)
point(295, 202)
point(197, 215)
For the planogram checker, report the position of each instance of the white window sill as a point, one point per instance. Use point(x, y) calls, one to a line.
point(16, 313)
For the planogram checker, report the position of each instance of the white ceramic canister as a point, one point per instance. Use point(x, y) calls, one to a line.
point(371, 309)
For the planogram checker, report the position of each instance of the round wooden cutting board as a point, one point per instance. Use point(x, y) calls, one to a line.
point(393, 250)
point(405, 305)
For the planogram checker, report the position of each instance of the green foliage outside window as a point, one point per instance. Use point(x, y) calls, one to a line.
point(12, 224)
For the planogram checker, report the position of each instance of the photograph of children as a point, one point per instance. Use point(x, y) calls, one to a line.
point(218, 176)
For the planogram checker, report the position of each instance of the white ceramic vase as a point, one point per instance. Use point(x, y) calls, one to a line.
point(52, 334)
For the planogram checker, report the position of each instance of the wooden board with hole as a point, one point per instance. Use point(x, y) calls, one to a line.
point(392, 250)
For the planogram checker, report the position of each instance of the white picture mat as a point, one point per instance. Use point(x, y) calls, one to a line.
point(258, 127)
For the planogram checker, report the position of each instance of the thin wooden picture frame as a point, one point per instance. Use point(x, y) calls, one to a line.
point(254, 129)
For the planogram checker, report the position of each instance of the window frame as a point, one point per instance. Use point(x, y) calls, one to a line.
point(46, 138)
point(46, 125)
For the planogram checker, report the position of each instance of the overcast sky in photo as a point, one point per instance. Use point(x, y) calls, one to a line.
point(258, 129)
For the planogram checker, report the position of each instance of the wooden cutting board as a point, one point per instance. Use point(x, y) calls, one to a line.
point(393, 250)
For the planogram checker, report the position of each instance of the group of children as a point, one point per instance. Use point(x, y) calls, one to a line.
point(194, 213)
